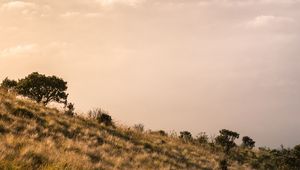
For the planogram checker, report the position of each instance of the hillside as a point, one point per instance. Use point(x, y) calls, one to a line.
point(36, 137)
point(33, 136)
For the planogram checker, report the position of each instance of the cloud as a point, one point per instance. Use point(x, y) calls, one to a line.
point(112, 2)
point(93, 15)
point(18, 50)
point(245, 2)
point(27, 9)
point(269, 20)
point(18, 5)
point(70, 14)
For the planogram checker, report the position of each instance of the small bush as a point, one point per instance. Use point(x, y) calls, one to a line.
point(248, 142)
point(101, 116)
point(162, 133)
point(2, 129)
point(105, 119)
point(70, 109)
point(139, 127)
point(223, 164)
point(186, 136)
point(148, 146)
point(94, 113)
point(202, 138)
point(22, 112)
point(5, 118)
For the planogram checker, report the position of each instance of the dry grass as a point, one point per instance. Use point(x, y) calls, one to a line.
point(36, 137)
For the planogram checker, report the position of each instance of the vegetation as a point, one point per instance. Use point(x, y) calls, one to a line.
point(226, 139)
point(70, 109)
point(202, 138)
point(248, 142)
point(186, 136)
point(33, 136)
point(8, 84)
point(101, 116)
point(43, 89)
point(139, 127)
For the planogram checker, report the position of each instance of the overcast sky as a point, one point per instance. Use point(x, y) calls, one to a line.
point(196, 65)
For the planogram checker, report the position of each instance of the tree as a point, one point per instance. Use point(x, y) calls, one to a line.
point(8, 84)
point(43, 89)
point(226, 139)
point(248, 142)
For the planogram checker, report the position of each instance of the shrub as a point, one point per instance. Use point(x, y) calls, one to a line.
point(162, 133)
point(70, 109)
point(223, 164)
point(94, 113)
point(226, 139)
point(248, 142)
point(139, 127)
point(101, 116)
point(105, 119)
point(186, 136)
point(297, 151)
point(202, 138)
point(21, 112)
point(148, 146)
point(2, 129)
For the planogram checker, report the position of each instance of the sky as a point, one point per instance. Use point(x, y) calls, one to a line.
point(195, 65)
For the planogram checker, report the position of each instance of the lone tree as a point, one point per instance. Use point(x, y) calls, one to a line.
point(43, 89)
point(248, 142)
point(8, 84)
point(226, 139)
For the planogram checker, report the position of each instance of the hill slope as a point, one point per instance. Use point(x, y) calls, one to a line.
point(36, 137)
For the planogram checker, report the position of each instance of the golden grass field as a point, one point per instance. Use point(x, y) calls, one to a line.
point(36, 137)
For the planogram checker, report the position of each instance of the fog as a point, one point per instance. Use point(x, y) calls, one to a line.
point(196, 65)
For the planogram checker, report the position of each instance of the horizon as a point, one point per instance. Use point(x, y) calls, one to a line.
point(199, 66)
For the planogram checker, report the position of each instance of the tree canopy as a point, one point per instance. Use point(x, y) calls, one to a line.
point(43, 89)
point(39, 87)
point(8, 84)
point(227, 138)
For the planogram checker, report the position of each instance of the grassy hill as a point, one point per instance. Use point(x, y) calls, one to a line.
point(36, 137)
point(33, 136)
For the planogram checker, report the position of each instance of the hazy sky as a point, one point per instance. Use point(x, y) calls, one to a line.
point(196, 65)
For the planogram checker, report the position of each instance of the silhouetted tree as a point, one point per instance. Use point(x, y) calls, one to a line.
point(226, 139)
point(43, 89)
point(8, 84)
point(248, 142)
